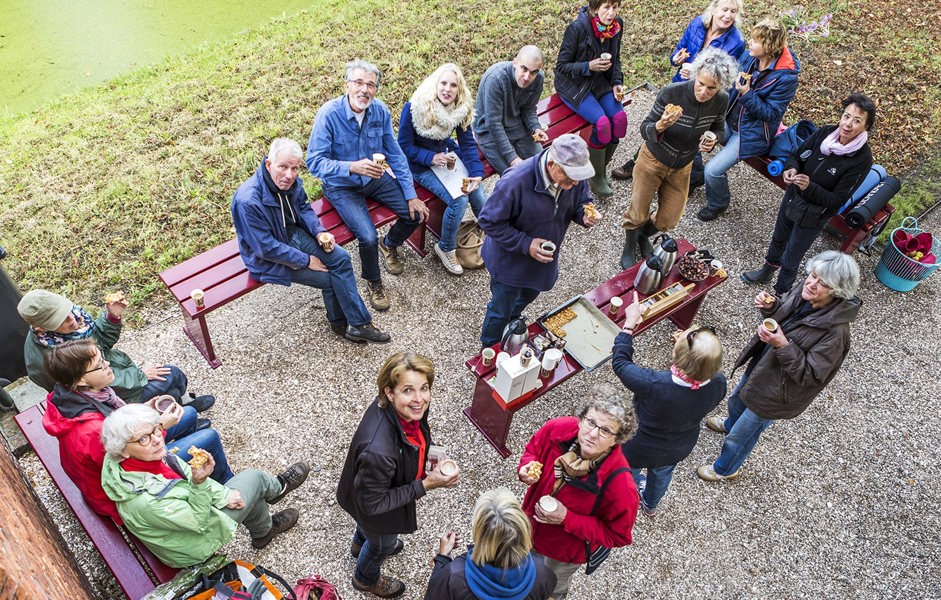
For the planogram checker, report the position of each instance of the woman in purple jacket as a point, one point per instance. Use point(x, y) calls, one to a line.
point(440, 106)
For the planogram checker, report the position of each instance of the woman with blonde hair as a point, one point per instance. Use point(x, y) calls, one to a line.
point(670, 404)
point(499, 564)
point(441, 106)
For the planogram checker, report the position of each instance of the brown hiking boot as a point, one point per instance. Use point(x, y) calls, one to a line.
point(280, 523)
point(386, 587)
point(377, 295)
point(393, 261)
point(291, 480)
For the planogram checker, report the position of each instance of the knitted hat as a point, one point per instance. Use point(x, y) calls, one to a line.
point(44, 309)
point(570, 152)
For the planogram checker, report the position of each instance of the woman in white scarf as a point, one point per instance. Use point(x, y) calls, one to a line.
point(440, 107)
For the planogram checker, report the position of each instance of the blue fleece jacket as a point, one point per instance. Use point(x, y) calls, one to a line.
point(520, 209)
point(731, 41)
point(757, 115)
point(260, 225)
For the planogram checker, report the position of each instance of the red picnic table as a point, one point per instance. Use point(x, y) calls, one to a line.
point(493, 416)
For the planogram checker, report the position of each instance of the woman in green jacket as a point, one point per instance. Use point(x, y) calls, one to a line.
point(179, 513)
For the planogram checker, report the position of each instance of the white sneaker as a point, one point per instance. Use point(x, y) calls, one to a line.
point(449, 260)
point(707, 473)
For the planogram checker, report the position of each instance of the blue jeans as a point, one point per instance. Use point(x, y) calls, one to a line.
point(183, 435)
point(718, 195)
point(350, 204)
point(376, 548)
point(454, 214)
point(175, 385)
point(789, 244)
point(654, 486)
point(507, 302)
point(524, 146)
point(744, 428)
point(338, 285)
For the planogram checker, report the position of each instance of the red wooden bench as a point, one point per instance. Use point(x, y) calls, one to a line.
point(222, 275)
point(135, 568)
point(860, 238)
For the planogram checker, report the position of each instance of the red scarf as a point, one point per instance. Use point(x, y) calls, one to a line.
point(679, 374)
point(154, 467)
point(605, 32)
point(414, 435)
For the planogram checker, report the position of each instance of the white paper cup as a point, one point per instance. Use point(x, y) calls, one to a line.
point(687, 69)
point(380, 159)
point(448, 467)
point(199, 297)
point(502, 357)
point(615, 305)
point(715, 265)
point(548, 504)
point(605, 56)
point(548, 246)
point(770, 324)
point(487, 355)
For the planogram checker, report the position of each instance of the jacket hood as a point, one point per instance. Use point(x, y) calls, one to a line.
point(65, 410)
point(787, 62)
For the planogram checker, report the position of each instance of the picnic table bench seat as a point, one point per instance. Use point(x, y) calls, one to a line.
point(134, 567)
point(223, 277)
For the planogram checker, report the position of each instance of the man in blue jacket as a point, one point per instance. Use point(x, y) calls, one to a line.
point(525, 219)
point(282, 241)
point(349, 134)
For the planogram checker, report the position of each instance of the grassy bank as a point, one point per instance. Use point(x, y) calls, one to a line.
point(105, 188)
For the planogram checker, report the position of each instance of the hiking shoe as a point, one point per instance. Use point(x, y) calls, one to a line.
point(202, 424)
point(716, 424)
point(377, 296)
point(707, 214)
point(338, 327)
point(764, 274)
point(386, 587)
point(355, 548)
point(291, 480)
point(280, 523)
point(449, 260)
point(707, 473)
point(625, 171)
point(366, 333)
point(200, 403)
point(393, 261)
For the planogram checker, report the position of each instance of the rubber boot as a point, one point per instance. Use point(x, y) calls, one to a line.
point(763, 275)
point(629, 254)
point(608, 155)
point(599, 183)
point(647, 230)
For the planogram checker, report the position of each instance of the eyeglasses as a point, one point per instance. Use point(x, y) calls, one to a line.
point(692, 334)
point(589, 424)
point(145, 440)
point(102, 365)
point(369, 85)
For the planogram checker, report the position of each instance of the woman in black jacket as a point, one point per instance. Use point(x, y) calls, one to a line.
point(821, 175)
point(384, 473)
point(588, 79)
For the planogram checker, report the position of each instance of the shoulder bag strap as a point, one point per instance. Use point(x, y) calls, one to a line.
point(604, 486)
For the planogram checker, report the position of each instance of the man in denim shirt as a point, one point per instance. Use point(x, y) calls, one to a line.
point(348, 132)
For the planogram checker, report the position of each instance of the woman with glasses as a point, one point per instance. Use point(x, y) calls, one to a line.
point(180, 514)
point(385, 471)
point(795, 353)
point(670, 404)
point(81, 400)
point(577, 462)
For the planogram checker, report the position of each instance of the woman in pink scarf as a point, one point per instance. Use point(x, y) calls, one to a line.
point(821, 174)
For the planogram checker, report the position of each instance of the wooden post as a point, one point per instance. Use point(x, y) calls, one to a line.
point(34, 560)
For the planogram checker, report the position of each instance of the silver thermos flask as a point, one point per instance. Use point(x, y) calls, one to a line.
point(649, 275)
point(667, 250)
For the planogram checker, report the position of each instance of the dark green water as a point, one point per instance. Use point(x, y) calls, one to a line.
point(52, 47)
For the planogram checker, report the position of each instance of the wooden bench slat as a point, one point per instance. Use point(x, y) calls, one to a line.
point(200, 262)
point(208, 279)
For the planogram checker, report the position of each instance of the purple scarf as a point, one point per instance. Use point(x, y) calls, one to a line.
point(86, 324)
point(831, 144)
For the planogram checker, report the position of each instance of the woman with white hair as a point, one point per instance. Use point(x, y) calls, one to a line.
point(180, 514)
point(578, 463)
point(440, 107)
point(670, 404)
point(500, 562)
point(792, 357)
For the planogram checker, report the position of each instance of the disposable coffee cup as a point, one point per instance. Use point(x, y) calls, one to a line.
point(164, 404)
point(448, 467)
point(550, 360)
point(198, 297)
point(380, 159)
point(436, 454)
point(708, 137)
point(605, 56)
point(452, 160)
point(526, 355)
point(615, 305)
point(715, 265)
point(487, 355)
point(548, 246)
point(687, 69)
point(548, 504)
point(502, 356)
point(770, 324)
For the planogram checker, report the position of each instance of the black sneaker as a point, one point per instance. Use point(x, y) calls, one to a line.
point(366, 333)
point(200, 403)
point(707, 214)
point(203, 424)
point(291, 480)
point(338, 327)
point(280, 523)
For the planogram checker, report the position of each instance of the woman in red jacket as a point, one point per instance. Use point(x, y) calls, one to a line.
point(577, 461)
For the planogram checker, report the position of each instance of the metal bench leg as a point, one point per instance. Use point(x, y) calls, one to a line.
point(198, 332)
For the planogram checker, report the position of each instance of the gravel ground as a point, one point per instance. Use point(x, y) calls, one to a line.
point(841, 502)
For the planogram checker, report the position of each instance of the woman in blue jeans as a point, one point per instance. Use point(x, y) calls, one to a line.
point(670, 404)
point(441, 106)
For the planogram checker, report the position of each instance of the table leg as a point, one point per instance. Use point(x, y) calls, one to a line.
point(198, 332)
point(684, 317)
point(491, 419)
